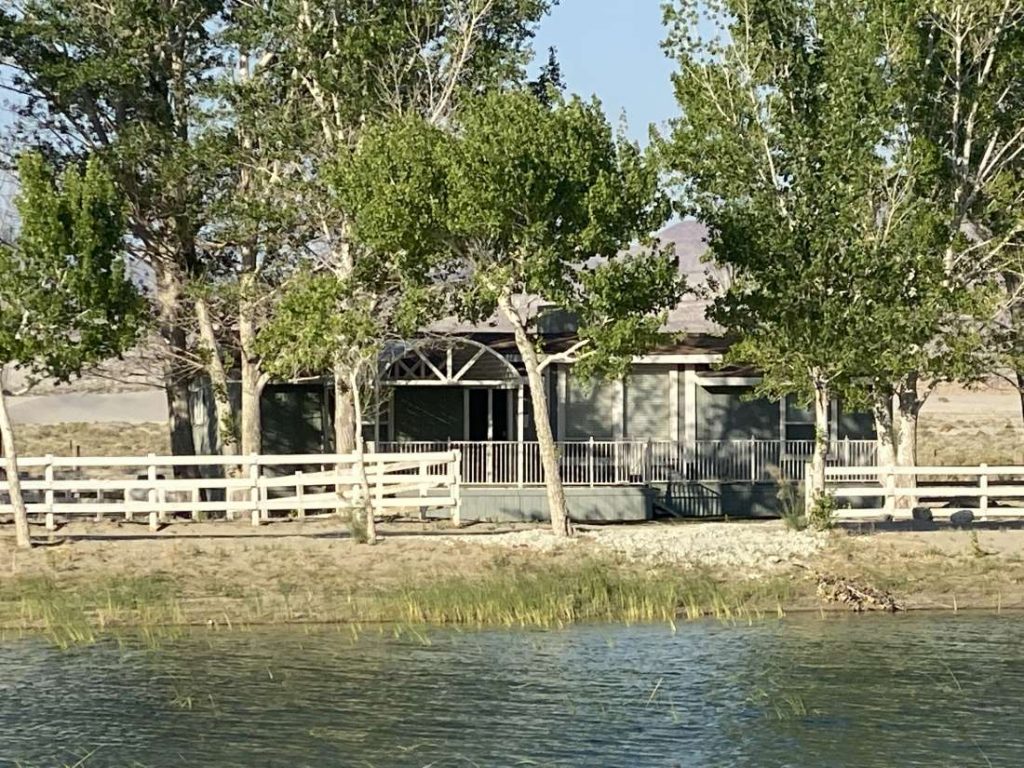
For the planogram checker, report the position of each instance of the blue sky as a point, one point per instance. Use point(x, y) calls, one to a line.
point(611, 48)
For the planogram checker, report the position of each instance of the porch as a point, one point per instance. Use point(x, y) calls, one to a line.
point(592, 463)
point(634, 480)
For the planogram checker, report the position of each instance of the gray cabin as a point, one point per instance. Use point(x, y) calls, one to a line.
point(678, 436)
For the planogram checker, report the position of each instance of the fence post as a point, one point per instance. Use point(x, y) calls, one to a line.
point(456, 459)
point(254, 489)
point(300, 492)
point(151, 493)
point(424, 476)
point(753, 460)
point(808, 497)
point(379, 488)
point(983, 486)
point(890, 489)
point(48, 477)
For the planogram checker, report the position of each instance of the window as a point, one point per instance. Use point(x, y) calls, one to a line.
point(798, 422)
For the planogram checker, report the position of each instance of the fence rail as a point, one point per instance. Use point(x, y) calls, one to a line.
point(902, 488)
point(640, 462)
point(262, 486)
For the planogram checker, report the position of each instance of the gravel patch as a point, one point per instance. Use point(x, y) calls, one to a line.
point(745, 546)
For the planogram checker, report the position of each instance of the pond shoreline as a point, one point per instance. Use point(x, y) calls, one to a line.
point(98, 579)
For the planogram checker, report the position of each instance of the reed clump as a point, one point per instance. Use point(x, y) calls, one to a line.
point(79, 613)
point(590, 590)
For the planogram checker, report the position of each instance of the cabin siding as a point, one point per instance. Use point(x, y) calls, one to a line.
point(647, 411)
point(725, 413)
point(591, 409)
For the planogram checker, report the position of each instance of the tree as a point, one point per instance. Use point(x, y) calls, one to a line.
point(65, 301)
point(127, 81)
point(793, 145)
point(316, 74)
point(958, 75)
point(344, 323)
point(517, 196)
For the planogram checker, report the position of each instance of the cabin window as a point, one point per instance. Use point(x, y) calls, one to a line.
point(798, 421)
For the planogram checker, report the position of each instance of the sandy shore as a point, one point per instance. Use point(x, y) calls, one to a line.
point(230, 573)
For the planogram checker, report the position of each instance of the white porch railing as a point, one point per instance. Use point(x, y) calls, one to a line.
point(639, 462)
point(262, 487)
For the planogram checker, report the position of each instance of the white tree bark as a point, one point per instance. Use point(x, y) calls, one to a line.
point(218, 379)
point(21, 532)
point(370, 522)
point(908, 410)
point(821, 436)
point(560, 523)
point(253, 383)
point(885, 435)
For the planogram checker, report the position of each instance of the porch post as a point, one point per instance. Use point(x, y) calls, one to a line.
point(490, 436)
point(376, 411)
point(520, 430)
point(690, 408)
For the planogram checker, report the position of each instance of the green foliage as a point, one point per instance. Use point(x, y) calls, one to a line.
point(521, 197)
point(793, 145)
point(323, 320)
point(65, 300)
point(822, 514)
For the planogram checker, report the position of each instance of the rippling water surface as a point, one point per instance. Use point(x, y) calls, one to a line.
point(858, 691)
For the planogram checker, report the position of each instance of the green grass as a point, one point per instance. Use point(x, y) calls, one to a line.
point(73, 612)
point(593, 590)
point(78, 614)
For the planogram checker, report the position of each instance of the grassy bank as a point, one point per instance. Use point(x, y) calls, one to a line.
point(77, 591)
point(72, 610)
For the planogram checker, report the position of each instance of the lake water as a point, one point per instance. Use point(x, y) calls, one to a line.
point(862, 691)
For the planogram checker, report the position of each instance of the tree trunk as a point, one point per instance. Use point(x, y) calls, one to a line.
point(251, 418)
point(10, 453)
point(344, 413)
point(1020, 394)
point(885, 435)
point(219, 381)
point(369, 521)
point(560, 523)
point(252, 379)
point(908, 409)
point(822, 437)
point(175, 372)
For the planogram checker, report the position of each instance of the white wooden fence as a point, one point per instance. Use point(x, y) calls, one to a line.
point(264, 487)
point(639, 462)
point(914, 485)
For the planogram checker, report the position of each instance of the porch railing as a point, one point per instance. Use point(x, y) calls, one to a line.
point(640, 462)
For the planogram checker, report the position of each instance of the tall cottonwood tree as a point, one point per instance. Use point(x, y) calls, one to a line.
point(65, 301)
point(125, 80)
point(958, 64)
point(793, 144)
point(319, 71)
point(523, 196)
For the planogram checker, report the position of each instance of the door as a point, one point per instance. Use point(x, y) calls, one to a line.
point(489, 421)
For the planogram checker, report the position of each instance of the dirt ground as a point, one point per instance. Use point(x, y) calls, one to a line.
point(311, 571)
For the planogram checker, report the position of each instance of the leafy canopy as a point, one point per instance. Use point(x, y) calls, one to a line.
point(792, 146)
point(65, 300)
point(521, 196)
